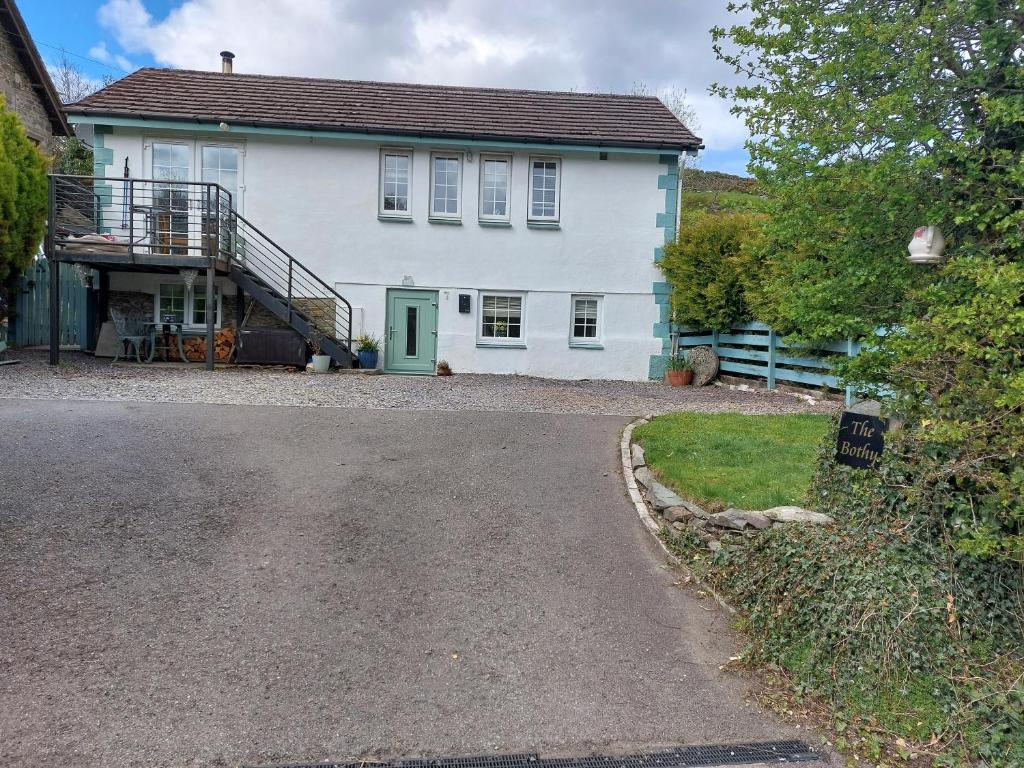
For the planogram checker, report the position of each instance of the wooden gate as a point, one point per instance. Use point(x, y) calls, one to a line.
point(31, 306)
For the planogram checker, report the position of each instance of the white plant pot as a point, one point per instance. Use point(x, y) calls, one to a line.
point(321, 363)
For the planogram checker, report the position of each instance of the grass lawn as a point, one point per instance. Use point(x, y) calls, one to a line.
point(751, 462)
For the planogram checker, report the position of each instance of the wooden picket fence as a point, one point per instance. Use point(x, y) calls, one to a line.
point(31, 322)
point(754, 349)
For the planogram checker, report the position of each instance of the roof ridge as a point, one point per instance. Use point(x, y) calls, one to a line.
point(438, 86)
point(311, 103)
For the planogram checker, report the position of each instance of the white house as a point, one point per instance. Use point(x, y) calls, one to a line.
point(503, 231)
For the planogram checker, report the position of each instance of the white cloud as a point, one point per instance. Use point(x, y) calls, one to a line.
point(600, 45)
point(100, 53)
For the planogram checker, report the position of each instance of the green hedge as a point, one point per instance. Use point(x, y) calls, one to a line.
point(22, 195)
point(708, 268)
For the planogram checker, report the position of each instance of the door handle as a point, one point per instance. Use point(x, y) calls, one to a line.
point(391, 333)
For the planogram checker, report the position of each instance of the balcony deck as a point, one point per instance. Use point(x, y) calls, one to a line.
point(125, 258)
point(140, 225)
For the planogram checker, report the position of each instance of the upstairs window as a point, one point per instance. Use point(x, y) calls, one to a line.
point(544, 189)
point(395, 182)
point(445, 183)
point(221, 166)
point(495, 171)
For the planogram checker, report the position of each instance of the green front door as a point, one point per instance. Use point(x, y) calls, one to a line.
point(410, 343)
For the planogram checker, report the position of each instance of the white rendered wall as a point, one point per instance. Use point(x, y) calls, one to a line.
point(318, 198)
point(625, 354)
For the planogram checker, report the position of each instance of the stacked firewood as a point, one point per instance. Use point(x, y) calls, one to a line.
point(195, 346)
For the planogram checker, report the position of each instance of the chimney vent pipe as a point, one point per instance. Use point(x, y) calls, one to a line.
point(226, 58)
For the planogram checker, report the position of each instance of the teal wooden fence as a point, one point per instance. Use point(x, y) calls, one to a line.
point(755, 349)
point(31, 304)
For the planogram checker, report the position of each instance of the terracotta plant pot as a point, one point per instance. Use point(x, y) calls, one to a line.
point(679, 378)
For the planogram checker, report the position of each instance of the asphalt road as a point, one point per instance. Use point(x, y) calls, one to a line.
point(214, 585)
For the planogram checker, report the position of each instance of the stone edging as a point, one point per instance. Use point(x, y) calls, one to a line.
point(647, 518)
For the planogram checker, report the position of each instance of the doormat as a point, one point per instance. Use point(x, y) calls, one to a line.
point(767, 752)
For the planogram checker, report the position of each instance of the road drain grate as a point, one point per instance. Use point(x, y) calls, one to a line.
point(679, 757)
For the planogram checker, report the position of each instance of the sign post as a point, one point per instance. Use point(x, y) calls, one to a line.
point(861, 440)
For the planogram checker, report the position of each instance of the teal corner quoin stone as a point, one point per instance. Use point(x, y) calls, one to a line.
point(102, 159)
point(663, 299)
point(666, 220)
point(657, 367)
point(102, 156)
point(671, 202)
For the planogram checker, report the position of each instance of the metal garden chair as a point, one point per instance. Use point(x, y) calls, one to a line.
point(132, 333)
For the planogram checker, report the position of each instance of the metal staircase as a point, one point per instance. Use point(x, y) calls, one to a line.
point(162, 225)
point(289, 290)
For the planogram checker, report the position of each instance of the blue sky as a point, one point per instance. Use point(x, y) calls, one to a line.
point(597, 45)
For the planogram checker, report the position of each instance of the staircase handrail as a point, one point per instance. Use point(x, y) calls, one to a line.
point(310, 273)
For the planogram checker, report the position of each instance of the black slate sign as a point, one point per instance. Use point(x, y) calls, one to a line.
point(861, 440)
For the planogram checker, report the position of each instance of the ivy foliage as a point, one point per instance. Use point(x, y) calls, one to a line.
point(905, 636)
point(957, 378)
point(897, 637)
point(22, 195)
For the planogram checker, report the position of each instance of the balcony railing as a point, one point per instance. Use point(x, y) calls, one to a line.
point(167, 223)
point(139, 220)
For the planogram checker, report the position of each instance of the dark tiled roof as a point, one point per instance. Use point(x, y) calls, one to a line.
point(545, 117)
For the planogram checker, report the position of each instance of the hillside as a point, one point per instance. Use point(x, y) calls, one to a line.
point(717, 191)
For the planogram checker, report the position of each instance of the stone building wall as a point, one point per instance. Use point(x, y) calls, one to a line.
point(21, 98)
point(132, 303)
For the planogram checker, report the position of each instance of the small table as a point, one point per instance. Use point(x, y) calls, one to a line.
point(167, 330)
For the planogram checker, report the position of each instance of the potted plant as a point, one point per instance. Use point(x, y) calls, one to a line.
point(368, 348)
point(680, 372)
point(321, 362)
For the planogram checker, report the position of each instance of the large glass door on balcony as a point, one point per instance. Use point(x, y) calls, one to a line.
point(172, 215)
point(172, 162)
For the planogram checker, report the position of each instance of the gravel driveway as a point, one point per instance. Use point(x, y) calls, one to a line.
point(196, 585)
point(81, 377)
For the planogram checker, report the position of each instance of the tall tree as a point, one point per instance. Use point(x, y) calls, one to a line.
point(872, 117)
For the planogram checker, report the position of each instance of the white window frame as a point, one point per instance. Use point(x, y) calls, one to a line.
point(189, 312)
point(494, 341)
point(444, 215)
point(381, 212)
point(592, 342)
point(236, 198)
point(507, 159)
point(558, 190)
